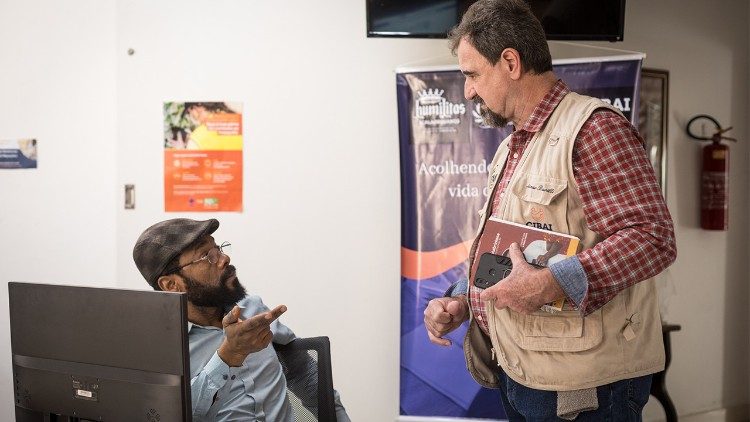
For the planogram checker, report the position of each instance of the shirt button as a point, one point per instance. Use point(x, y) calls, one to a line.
point(515, 155)
point(225, 377)
point(233, 376)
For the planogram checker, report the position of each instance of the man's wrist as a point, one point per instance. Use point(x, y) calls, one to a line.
point(552, 289)
point(233, 359)
point(465, 305)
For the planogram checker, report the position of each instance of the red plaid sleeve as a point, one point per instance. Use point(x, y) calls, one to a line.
point(622, 202)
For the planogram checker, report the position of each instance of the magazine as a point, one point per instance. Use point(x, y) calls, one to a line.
point(540, 247)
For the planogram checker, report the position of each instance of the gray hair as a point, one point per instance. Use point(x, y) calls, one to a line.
point(491, 26)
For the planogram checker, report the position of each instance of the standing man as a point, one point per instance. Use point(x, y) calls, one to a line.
point(593, 360)
point(235, 372)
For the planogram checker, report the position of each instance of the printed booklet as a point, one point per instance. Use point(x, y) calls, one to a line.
point(540, 247)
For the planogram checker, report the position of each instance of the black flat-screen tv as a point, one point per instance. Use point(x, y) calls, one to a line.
point(584, 20)
point(94, 354)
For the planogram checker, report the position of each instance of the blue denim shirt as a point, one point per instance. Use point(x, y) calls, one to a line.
point(255, 391)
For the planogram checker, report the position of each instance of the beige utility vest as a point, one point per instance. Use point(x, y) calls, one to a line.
point(561, 351)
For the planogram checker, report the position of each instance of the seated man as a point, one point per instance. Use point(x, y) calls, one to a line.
point(235, 373)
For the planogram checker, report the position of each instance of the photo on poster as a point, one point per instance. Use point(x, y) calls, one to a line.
point(18, 154)
point(202, 144)
point(203, 125)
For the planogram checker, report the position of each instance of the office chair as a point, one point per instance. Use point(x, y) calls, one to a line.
point(306, 363)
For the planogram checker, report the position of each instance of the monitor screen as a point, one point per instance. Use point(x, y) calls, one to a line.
point(561, 19)
point(414, 18)
point(99, 354)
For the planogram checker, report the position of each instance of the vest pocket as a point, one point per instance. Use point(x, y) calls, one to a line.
point(564, 331)
point(539, 201)
point(539, 189)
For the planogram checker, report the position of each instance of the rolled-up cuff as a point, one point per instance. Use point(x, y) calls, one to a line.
point(571, 276)
point(461, 287)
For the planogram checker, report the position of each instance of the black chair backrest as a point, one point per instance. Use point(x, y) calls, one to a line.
point(307, 366)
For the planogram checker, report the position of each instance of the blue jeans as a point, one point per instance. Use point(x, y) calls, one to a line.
point(619, 401)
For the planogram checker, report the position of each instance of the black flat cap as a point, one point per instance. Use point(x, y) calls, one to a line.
point(159, 244)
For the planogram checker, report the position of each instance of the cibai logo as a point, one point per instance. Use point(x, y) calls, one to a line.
point(537, 214)
point(622, 104)
point(431, 108)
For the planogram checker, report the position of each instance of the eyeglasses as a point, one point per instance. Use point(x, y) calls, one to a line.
point(212, 256)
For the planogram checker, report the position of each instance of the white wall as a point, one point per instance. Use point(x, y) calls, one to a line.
point(320, 230)
point(57, 84)
point(321, 165)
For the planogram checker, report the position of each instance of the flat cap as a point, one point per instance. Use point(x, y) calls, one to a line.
point(159, 244)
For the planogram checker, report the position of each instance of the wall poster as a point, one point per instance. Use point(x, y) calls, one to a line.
point(18, 154)
point(202, 156)
point(445, 150)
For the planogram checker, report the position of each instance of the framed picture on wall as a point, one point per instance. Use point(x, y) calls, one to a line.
point(652, 120)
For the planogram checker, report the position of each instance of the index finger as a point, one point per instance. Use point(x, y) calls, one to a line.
point(275, 313)
point(442, 317)
point(255, 322)
point(265, 318)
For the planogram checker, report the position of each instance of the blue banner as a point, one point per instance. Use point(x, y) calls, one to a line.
point(445, 151)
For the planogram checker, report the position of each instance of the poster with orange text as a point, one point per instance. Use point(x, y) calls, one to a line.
point(202, 156)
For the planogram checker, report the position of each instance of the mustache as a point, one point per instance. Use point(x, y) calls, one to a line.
point(490, 118)
point(229, 272)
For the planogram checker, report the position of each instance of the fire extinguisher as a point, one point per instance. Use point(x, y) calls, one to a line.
point(714, 172)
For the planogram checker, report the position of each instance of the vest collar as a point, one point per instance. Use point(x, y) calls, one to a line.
point(544, 109)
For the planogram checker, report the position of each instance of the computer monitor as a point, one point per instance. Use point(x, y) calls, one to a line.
point(82, 353)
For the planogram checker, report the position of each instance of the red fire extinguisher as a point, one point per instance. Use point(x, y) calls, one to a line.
point(714, 172)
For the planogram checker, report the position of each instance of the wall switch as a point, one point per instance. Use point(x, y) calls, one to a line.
point(129, 197)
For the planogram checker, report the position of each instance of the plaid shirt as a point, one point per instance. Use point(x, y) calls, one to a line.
point(621, 198)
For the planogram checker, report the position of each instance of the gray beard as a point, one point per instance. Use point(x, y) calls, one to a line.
point(489, 117)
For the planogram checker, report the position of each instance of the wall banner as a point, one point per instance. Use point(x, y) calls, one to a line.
point(445, 151)
point(202, 156)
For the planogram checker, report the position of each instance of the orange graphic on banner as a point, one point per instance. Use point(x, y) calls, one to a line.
point(202, 180)
point(421, 265)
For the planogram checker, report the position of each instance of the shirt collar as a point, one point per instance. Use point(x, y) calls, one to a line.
point(226, 311)
point(544, 109)
point(209, 327)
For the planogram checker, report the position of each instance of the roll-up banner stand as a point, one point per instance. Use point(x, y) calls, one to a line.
point(445, 151)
